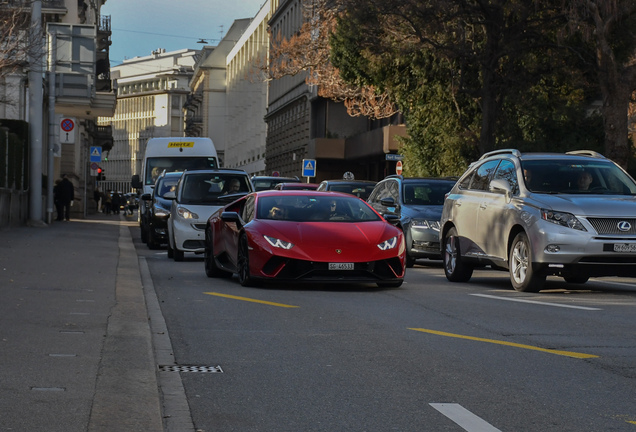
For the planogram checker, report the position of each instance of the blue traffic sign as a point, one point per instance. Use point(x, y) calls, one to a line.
point(309, 167)
point(96, 154)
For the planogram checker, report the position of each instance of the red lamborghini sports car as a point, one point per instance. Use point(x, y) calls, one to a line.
point(306, 236)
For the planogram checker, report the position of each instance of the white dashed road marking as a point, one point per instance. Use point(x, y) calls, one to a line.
point(464, 418)
point(534, 302)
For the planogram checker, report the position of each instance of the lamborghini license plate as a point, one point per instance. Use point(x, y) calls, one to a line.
point(340, 266)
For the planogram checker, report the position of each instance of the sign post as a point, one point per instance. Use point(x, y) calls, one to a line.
point(309, 168)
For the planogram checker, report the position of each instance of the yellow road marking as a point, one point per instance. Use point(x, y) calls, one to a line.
point(250, 300)
point(530, 347)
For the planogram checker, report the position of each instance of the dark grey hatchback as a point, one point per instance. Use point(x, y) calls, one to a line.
point(418, 203)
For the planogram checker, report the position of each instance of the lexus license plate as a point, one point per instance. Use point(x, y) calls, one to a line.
point(625, 247)
point(340, 266)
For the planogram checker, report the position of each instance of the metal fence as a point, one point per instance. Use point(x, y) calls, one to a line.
point(14, 174)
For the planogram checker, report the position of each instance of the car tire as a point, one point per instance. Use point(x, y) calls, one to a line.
point(410, 261)
point(153, 243)
point(243, 264)
point(211, 269)
point(455, 268)
point(178, 255)
point(523, 274)
point(576, 279)
point(144, 233)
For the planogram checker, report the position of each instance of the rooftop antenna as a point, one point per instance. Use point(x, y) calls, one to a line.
point(202, 41)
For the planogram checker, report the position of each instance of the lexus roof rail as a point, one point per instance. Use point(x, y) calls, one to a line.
point(513, 152)
point(586, 153)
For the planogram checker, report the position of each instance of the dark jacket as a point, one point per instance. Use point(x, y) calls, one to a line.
point(65, 191)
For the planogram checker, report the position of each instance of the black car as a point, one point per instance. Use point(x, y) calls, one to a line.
point(360, 188)
point(269, 182)
point(159, 210)
point(418, 202)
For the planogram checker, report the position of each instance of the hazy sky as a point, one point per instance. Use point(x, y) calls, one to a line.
point(142, 26)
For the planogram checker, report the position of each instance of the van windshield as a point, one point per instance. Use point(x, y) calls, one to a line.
point(155, 166)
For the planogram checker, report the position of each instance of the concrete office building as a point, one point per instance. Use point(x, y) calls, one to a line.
point(151, 92)
point(207, 106)
point(247, 96)
point(302, 125)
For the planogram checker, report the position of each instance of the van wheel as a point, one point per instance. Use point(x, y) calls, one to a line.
point(455, 268)
point(523, 275)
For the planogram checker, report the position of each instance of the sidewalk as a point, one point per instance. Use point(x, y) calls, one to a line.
point(75, 342)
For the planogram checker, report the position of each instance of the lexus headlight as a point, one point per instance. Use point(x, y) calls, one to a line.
point(186, 214)
point(429, 224)
point(278, 242)
point(388, 244)
point(563, 219)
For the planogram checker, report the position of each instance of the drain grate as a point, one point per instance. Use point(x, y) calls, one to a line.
point(199, 369)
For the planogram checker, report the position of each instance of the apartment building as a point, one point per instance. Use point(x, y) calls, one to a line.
point(77, 90)
point(151, 93)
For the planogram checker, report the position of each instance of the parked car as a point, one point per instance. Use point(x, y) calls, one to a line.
point(197, 196)
point(360, 188)
point(304, 236)
point(417, 202)
point(269, 182)
point(537, 214)
point(159, 209)
point(296, 186)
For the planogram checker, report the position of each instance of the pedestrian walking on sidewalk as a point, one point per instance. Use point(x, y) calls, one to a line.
point(59, 208)
point(66, 195)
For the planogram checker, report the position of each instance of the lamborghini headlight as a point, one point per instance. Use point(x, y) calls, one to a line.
point(278, 242)
point(388, 244)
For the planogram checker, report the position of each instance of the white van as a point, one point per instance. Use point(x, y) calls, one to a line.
point(174, 154)
point(170, 154)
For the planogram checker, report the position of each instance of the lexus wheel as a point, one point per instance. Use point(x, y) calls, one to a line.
point(455, 268)
point(523, 275)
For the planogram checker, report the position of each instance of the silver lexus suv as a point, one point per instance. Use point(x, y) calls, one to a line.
point(537, 214)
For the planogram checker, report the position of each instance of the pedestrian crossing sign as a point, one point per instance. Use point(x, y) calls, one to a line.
point(96, 154)
point(309, 167)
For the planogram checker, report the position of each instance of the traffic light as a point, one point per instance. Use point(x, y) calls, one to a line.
point(100, 174)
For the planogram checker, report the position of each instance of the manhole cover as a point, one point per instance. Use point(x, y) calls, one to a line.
point(199, 369)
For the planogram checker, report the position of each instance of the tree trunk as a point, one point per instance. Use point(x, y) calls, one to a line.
point(616, 99)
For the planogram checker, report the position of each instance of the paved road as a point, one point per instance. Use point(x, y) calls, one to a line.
point(429, 356)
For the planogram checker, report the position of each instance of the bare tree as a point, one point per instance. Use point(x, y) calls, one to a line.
point(18, 40)
point(308, 52)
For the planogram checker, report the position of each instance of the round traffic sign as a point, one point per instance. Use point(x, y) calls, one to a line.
point(67, 125)
point(94, 166)
point(398, 168)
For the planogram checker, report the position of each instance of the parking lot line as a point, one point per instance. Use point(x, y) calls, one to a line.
point(251, 300)
point(512, 344)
